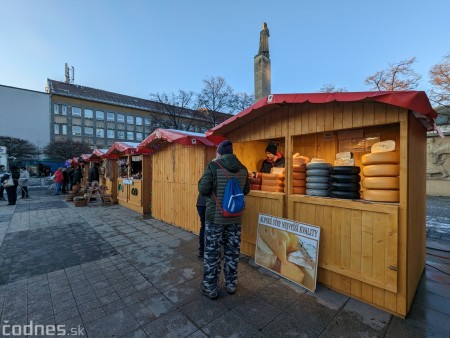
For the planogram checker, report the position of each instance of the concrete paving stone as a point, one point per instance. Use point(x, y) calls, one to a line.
point(74, 326)
point(399, 328)
point(254, 281)
point(41, 304)
point(135, 334)
point(428, 318)
point(93, 315)
point(229, 325)
point(277, 295)
point(168, 280)
point(115, 324)
point(114, 306)
point(109, 298)
point(440, 289)
point(61, 295)
point(148, 291)
point(89, 306)
point(431, 301)
point(66, 314)
point(40, 313)
point(129, 290)
point(184, 293)
point(14, 310)
point(172, 324)
point(85, 297)
point(63, 306)
point(38, 297)
point(120, 286)
point(132, 299)
point(257, 312)
point(347, 324)
point(368, 315)
point(330, 298)
point(289, 325)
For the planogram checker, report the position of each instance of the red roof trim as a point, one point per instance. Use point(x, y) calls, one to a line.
point(416, 101)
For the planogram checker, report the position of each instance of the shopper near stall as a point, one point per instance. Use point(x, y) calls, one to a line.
point(76, 178)
point(58, 181)
point(94, 175)
point(7, 181)
point(201, 210)
point(2, 171)
point(220, 229)
point(24, 179)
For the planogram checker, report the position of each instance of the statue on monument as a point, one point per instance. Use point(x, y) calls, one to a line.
point(264, 41)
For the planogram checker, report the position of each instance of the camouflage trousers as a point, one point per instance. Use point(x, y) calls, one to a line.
point(215, 235)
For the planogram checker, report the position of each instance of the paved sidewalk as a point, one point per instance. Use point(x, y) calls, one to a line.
point(108, 272)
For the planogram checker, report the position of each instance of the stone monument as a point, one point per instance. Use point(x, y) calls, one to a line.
point(262, 65)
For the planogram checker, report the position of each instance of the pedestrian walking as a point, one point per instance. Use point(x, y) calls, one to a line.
point(23, 181)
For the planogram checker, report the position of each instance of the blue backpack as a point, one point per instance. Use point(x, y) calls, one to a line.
point(233, 203)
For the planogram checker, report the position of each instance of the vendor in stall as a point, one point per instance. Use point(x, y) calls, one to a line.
point(274, 159)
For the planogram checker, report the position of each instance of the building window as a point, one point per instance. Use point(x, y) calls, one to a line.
point(130, 119)
point(56, 128)
point(147, 121)
point(120, 118)
point(64, 129)
point(138, 136)
point(130, 135)
point(120, 134)
point(64, 110)
point(110, 117)
point(99, 132)
point(88, 114)
point(99, 115)
point(56, 109)
point(110, 133)
point(88, 131)
point(76, 130)
point(76, 111)
point(139, 121)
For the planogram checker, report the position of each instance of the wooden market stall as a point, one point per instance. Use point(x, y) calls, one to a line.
point(134, 168)
point(108, 170)
point(179, 159)
point(84, 161)
point(369, 250)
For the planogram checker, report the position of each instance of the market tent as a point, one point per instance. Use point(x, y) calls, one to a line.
point(125, 148)
point(178, 136)
point(416, 101)
point(97, 154)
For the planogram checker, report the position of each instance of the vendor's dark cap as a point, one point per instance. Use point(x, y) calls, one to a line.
point(226, 147)
point(272, 148)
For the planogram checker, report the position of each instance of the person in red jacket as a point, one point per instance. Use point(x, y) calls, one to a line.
point(58, 179)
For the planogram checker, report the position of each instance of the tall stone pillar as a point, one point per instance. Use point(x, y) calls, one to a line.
point(262, 65)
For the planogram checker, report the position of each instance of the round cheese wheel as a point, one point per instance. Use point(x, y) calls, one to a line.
point(383, 183)
point(255, 187)
point(274, 182)
point(381, 195)
point(298, 183)
point(271, 188)
point(345, 170)
point(299, 168)
point(390, 157)
point(381, 170)
point(298, 176)
point(298, 190)
point(272, 177)
point(318, 165)
point(254, 180)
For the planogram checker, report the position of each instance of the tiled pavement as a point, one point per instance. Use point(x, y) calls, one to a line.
point(109, 272)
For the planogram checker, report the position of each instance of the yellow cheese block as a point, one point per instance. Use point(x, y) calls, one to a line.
point(381, 195)
point(292, 271)
point(390, 157)
point(272, 177)
point(299, 190)
point(381, 170)
point(276, 182)
point(299, 183)
point(276, 240)
point(271, 188)
point(381, 183)
point(383, 146)
point(278, 171)
point(298, 175)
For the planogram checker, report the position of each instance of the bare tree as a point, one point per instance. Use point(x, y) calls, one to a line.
point(398, 76)
point(440, 81)
point(63, 150)
point(21, 149)
point(216, 96)
point(177, 112)
point(331, 88)
point(240, 101)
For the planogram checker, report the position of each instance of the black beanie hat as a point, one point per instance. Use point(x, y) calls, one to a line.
point(272, 148)
point(226, 147)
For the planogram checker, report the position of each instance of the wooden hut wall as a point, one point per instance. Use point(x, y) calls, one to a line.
point(371, 251)
point(176, 171)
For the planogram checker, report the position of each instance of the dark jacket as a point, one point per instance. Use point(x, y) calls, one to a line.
point(214, 180)
point(93, 174)
point(77, 176)
point(266, 165)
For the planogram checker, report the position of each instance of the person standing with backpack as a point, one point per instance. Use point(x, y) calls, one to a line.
point(224, 184)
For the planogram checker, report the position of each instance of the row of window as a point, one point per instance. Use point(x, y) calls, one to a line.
point(99, 132)
point(100, 115)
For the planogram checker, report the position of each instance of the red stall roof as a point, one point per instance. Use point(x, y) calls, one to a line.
point(179, 136)
point(97, 154)
point(125, 148)
point(417, 101)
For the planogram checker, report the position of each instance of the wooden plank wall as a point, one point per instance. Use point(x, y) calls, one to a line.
point(176, 171)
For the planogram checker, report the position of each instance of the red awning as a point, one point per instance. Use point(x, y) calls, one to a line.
point(125, 148)
point(85, 157)
point(178, 136)
point(417, 101)
point(97, 154)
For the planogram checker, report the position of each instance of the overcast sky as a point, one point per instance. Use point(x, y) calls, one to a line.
point(138, 47)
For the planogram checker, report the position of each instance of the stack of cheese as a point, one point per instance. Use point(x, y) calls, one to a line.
point(381, 172)
point(255, 183)
point(299, 174)
point(317, 175)
point(344, 182)
point(273, 182)
point(344, 158)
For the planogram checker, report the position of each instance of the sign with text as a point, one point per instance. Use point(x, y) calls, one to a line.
point(288, 248)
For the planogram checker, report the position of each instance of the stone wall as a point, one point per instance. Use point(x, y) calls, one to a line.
point(438, 166)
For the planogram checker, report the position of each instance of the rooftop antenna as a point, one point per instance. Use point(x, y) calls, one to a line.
point(68, 72)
